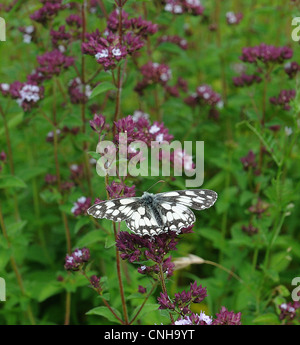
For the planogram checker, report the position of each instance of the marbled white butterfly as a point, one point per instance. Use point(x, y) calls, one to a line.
point(153, 214)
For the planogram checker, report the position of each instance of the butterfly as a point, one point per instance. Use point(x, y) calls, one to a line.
point(153, 214)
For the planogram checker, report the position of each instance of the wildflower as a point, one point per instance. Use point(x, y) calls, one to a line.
point(3, 156)
point(74, 20)
point(250, 229)
point(246, 79)
point(195, 319)
point(46, 13)
point(28, 33)
point(120, 190)
point(226, 317)
point(98, 123)
point(95, 281)
point(81, 206)
point(249, 161)
point(142, 289)
point(50, 179)
point(179, 41)
point(266, 54)
point(284, 98)
point(78, 92)
point(288, 310)
point(233, 18)
point(153, 73)
point(291, 69)
point(29, 95)
point(4, 88)
point(193, 7)
point(74, 261)
point(60, 38)
point(76, 171)
point(53, 63)
point(50, 135)
point(259, 208)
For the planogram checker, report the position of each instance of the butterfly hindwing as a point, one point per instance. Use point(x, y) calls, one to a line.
point(198, 199)
point(115, 209)
point(176, 216)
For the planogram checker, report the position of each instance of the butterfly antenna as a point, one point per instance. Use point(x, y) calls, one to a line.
point(160, 181)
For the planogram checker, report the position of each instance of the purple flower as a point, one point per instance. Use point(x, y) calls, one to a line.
point(47, 12)
point(246, 79)
point(259, 208)
point(291, 69)
point(288, 310)
point(165, 302)
point(60, 39)
point(76, 171)
point(28, 95)
point(284, 98)
point(193, 7)
point(74, 261)
point(179, 41)
point(81, 205)
point(233, 18)
point(249, 161)
point(95, 281)
point(50, 179)
point(120, 190)
point(266, 54)
point(226, 317)
point(74, 20)
point(3, 156)
point(250, 229)
point(79, 93)
point(53, 63)
point(98, 123)
point(194, 319)
point(142, 289)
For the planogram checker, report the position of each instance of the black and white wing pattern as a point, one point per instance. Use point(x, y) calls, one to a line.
point(153, 214)
point(115, 209)
point(197, 199)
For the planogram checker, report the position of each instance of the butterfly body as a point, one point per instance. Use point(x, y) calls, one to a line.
point(153, 214)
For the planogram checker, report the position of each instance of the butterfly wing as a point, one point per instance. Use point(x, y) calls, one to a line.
point(176, 216)
point(197, 199)
point(115, 209)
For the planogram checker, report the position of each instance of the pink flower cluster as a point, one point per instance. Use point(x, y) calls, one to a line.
point(109, 48)
point(284, 98)
point(233, 18)
point(26, 94)
point(291, 69)
point(266, 54)
point(79, 257)
point(49, 10)
point(246, 79)
point(193, 7)
point(153, 73)
point(179, 41)
point(81, 206)
point(53, 63)
point(79, 93)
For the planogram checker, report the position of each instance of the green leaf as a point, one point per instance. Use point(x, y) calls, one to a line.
point(80, 223)
point(148, 308)
point(10, 181)
point(102, 87)
point(105, 312)
point(267, 319)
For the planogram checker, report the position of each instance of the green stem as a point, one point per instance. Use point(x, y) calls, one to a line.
point(163, 286)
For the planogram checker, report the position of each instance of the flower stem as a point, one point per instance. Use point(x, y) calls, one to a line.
point(163, 286)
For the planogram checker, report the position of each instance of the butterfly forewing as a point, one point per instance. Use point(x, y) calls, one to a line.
point(198, 199)
point(115, 209)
